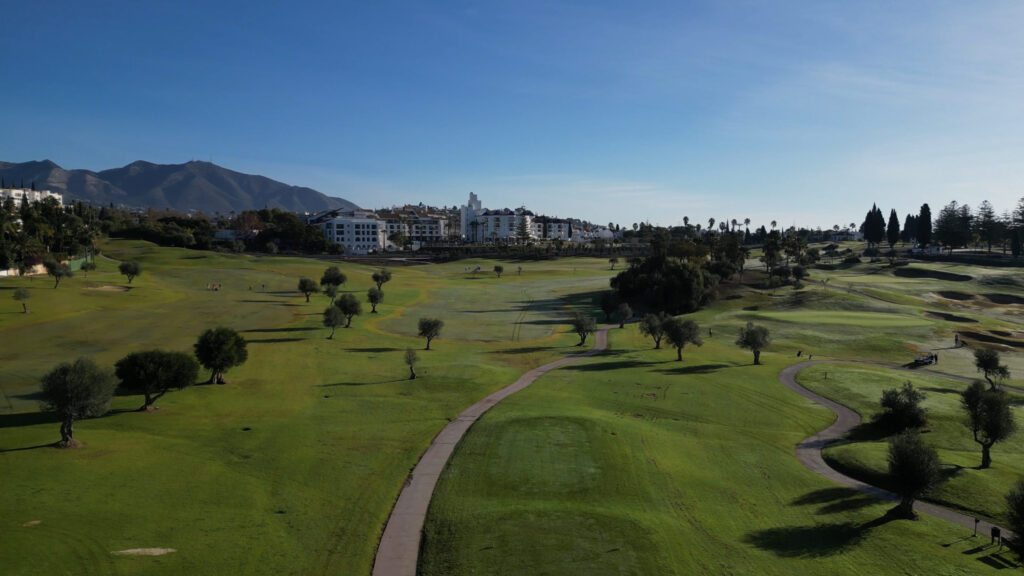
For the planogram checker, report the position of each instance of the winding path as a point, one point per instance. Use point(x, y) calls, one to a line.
point(808, 452)
point(399, 547)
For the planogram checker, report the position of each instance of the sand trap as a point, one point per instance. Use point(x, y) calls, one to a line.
point(912, 272)
point(33, 523)
point(1004, 298)
point(144, 552)
point(109, 288)
point(951, 295)
point(949, 317)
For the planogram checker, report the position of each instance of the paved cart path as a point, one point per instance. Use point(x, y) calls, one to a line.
point(399, 547)
point(808, 452)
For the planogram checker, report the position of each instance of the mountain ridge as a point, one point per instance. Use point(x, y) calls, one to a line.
point(195, 185)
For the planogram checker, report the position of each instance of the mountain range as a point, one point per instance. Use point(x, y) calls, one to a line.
point(195, 185)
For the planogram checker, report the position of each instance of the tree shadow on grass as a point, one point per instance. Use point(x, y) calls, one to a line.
point(272, 340)
point(696, 369)
point(249, 301)
point(602, 366)
point(525, 350)
point(361, 383)
point(939, 390)
point(289, 329)
point(36, 447)
point(27, 419)
point(372, 350)
point(814, 541)
point(835, 500)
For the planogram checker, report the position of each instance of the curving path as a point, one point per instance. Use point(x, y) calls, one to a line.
point(808, 452)
point(399, 547)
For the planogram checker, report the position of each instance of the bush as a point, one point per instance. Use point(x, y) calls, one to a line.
point(901, 409)
point(851, 260)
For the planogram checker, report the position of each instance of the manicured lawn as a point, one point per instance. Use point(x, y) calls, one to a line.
point(290, 468)
point(979, 492)
point(636, 464)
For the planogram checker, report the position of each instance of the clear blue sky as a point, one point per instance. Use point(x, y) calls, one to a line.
point(805, 113)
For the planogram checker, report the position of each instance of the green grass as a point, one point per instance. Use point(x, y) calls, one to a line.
point(634, 464)
point(629, 463)
point(965, 487)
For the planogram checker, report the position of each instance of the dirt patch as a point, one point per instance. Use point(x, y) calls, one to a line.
point(949, 317)
point(110, 288)
point(951, 295)
point(989, 338)
point(144, 552)
point(911, 272)
point(1004, 298)
point(33, 523)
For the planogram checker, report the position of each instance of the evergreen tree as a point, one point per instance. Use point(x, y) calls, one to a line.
point(924, 225)
point(987, 225)
point(892, 232)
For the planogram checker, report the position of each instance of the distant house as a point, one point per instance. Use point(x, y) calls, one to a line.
point(482, 225)
point(31, 196)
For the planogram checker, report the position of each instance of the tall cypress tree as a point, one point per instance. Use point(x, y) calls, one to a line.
point(892, 233)
point(924, 225)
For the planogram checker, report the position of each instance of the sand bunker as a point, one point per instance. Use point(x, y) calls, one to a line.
point(911, 272)
point(110, 288)
point(1004, 298)
point(949, 317)
point(144, 552)
point(990, 338)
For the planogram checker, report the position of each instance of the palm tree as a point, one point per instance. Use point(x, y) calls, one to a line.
point(774, 224)
point(735, 223)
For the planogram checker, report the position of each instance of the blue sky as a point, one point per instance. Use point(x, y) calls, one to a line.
point(804, 113)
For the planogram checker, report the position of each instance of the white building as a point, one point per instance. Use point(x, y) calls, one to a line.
point(418, 223)
point(557, 228)
point(33, 196)
point(358, 231)
point(504, 225)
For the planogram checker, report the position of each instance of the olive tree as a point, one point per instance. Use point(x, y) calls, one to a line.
point(411, 358)
point(623, 312)
point(381, 277)
point(129, 269)
point(430, 328)
point(331, 291)
point(59, 271)
point(333, 276)
point(901, 408)
point(913, 470)
point(986, 360)
point(754, 338)
point(989, 417)
point(155, 372)
point(307, 286)
point(350, 307)
point(499, 270)
point(653, 325)
point(374, 296)
point(583, 325)
point(218, 349)
point(681, 332)
point(21, 295)
point(333, 318)
point(76, 390)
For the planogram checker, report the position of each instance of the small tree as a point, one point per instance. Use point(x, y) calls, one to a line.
point(799, 273)
point(155, 372)
point(331, 291)
point(129, 269)
point(74, 391)
point(307, 286)
point(411, 358)
point(653, 325)
point(499, 269)
point(988, 416)
point(901, 408)
point(21, 295)
point(374, 296)
point(609, 303)
point(218, 349)
point(59, 271)
point(986, 360)
point(623, 312)
point(350, 307)
point(680, 332)
point(333, 276)
point(88, 267)
point(332, 319)
point(381, 277)
point(430, 328)
point(613, 261)
point(754, 338)
point(913, 470)
point(1015, 517)
point(583, 325)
